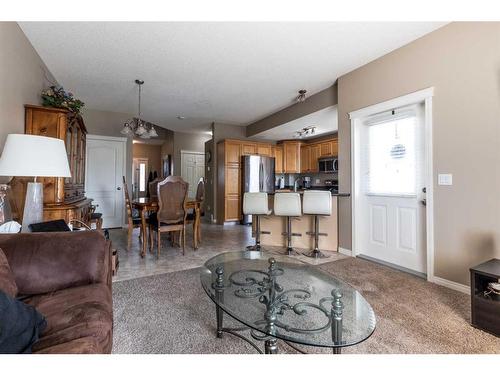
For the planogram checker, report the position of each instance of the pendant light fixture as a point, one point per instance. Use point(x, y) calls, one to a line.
point(137, 126)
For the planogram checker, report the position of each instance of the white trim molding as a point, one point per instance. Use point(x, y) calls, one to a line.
point(422, 96)
point(401, 101)
point(345, 252)
point(451, 284)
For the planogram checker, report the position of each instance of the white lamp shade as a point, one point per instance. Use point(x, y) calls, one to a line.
point(34, 156)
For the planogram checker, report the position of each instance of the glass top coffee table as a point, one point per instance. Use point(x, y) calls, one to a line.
point(278, 297)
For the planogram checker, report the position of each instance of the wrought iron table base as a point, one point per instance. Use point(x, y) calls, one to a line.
point(274, 306)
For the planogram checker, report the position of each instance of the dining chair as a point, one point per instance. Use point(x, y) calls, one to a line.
point(172, 212)
point(200, 198)
point(133, 218)
point(153, 188)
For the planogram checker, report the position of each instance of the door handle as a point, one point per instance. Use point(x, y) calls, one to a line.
point(118, 188)
point(424, 202)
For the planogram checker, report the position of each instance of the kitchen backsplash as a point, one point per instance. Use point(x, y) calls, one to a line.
point(317, 179)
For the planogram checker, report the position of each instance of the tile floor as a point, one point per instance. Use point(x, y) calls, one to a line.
point(216, 239)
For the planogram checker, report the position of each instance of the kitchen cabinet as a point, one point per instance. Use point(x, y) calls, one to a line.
point(313, 158)
point(232, 152)
point(325, 149)
point(249, 149)
point(335, 146)
point(229, 180)
point(264, 149)
point(291, 156)
point(305, 158)
point(278, 159)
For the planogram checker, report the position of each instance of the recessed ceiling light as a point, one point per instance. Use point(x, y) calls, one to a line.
point(180, 117)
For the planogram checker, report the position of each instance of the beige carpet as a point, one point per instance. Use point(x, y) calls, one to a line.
point(413, 315)
point(170, 313)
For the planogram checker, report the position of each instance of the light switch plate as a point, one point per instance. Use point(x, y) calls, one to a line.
point(445, 179)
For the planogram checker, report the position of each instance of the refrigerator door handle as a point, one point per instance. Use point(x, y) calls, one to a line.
point(261, 176)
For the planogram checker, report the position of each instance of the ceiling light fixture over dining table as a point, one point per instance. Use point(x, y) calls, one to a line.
point(137, 126)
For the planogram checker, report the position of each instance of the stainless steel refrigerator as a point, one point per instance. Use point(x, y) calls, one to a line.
point(258, 176)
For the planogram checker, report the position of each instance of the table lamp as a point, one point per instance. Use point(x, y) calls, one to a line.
point(34, 156)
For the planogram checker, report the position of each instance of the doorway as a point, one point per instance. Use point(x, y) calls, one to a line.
point(103, 181)
point(192, 169)
point(140, 168)
point(392, 183)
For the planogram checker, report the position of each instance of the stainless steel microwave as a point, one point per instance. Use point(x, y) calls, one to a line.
point(328, 165)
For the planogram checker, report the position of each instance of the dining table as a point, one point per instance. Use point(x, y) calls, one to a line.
point(146, 206)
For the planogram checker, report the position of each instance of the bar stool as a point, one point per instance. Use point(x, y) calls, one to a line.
point(288, 205)
point(317, 203)
point(256, 204)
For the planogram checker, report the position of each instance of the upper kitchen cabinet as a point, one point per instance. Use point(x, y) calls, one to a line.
point(232, 152)
point(305, 158)
point(313, 158)
point(264, 149)
point(291, 156)
point(248, 149)
point(277, 152)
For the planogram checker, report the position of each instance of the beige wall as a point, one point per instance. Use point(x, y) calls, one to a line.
point(109, 124)
point(187, 142)
point(462, 62)
point(23, 75)
point(150, 152)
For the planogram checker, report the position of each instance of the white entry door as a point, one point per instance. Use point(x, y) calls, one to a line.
point(392, 192)
point(192, 169)
point(103, 182)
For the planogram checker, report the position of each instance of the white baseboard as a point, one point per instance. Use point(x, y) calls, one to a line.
point(451, 284)
point(345, 251)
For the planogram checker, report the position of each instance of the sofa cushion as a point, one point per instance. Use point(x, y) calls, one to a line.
point(76, 313)
point(46, 262)
point(20, 325)
point(7, 282)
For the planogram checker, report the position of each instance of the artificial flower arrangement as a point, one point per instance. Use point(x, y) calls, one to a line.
point(56, 97)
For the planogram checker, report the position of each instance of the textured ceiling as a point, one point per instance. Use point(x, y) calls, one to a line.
point(228, 72)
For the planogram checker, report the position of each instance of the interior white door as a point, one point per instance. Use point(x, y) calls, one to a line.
point(103, 182)
point(192, 169)
point(392, 199)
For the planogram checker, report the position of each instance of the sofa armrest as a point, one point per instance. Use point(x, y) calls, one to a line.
point(46, 262)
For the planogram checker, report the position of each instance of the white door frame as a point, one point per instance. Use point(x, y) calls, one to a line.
point(423, 96)
point(95, 137)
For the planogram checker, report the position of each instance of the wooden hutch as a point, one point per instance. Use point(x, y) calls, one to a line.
point(63, 198)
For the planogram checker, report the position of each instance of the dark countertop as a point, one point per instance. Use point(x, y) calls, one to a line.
point(301, 191)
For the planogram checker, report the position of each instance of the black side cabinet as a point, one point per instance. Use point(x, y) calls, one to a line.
point(485, 310)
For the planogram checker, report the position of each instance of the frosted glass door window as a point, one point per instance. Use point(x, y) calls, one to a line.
point(391, 164)
point(142, 177)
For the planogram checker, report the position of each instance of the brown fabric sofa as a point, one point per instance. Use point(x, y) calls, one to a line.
point(67, 277)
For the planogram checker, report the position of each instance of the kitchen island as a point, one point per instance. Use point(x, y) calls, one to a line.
point(304, 243)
